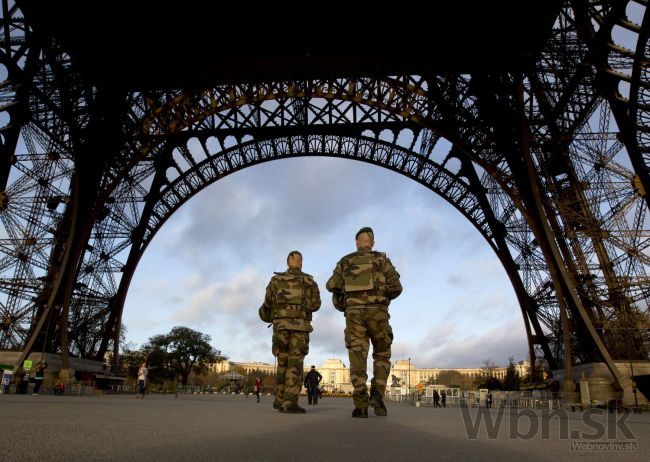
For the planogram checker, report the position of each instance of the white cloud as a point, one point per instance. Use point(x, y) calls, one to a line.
point(470, 349)
point(209, 265)
point(216, 299)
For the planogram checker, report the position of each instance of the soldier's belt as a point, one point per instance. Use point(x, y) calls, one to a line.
point(369, 305)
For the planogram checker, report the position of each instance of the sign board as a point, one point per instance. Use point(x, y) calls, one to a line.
point(27, 364)
point(6, 380)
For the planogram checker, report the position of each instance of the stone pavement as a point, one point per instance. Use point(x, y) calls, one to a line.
point(233, 428)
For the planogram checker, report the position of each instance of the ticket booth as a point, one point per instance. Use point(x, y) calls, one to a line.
point(482, 397)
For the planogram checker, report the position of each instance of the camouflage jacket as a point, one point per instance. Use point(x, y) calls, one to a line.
point(291, 298)
point(366, 278)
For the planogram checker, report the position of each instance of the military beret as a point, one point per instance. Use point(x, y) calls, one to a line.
point(365, 229)
point(264, 314)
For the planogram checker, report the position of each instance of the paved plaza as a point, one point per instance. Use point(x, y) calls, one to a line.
point(233, 428)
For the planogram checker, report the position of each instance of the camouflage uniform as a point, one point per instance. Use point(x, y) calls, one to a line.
point(363, 284)
point(291, 298)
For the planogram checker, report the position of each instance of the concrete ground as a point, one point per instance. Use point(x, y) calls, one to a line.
point(233, 428)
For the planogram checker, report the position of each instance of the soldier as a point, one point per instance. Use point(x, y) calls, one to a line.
point(362, 286)
point(291, 298)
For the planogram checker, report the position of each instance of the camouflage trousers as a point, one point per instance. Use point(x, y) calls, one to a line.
point(362, 326)
point(290, 347)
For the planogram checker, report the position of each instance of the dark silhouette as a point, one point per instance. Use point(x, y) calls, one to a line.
point(40, 376)
point(258, 388)
point(312, 380)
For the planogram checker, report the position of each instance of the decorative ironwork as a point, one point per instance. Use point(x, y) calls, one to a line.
point(549, 163)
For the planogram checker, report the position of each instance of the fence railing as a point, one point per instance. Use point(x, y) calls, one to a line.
point(538, 399)
point(71, 389)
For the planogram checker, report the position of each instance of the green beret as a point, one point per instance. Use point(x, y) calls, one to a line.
point(365, 229)
point(338, 300)
point(264, 314)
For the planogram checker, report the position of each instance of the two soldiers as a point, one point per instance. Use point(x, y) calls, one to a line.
point(363, 285)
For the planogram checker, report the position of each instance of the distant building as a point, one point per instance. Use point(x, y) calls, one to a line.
point(222, 367)
point(336, 375)
point(409, 374)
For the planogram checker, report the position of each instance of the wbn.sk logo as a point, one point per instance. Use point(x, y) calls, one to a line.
point(595, 429)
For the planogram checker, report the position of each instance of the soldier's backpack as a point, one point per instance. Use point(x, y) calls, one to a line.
point(363, 272)
point(290, 301)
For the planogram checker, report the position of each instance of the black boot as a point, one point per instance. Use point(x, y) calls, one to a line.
point(377, 403)
point(292, 408)
point(361, 413)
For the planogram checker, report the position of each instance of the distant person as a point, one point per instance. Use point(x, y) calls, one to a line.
point(443, 398)
point(312, 382)
point(489, 399)
point(436, 398)
point(142, 379)
point(59, 388)
point(40, 376)
point(258, 388)
point(363, 284)
point(179, 384)
point(291, 298)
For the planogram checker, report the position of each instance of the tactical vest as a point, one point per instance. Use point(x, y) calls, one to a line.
point(291, 296)
point(364, 279)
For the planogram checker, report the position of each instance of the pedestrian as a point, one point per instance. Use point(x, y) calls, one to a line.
point(179, 384)
point(363, 285)
point(258, 388)
point(436, 398)
point(291, 298)
point(142, 379)
point(312, 382)
point(443, 398)
point(59, 388)
point(40, 376)
point(489, 399)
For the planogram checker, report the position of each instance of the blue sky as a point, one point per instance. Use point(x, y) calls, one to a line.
point(209, 265)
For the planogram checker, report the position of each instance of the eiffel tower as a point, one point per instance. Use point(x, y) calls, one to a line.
point(111, 120)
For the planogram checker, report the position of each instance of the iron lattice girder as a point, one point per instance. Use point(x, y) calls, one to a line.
point(624, 74)
point(446, 104)
point(425, 171)
point(37, 114)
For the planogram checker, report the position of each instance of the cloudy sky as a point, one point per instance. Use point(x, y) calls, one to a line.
point(209, 265)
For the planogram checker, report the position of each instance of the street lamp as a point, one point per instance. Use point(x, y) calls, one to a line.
point(409, 379)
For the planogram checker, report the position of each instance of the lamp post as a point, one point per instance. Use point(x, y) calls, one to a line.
point(409, 379)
